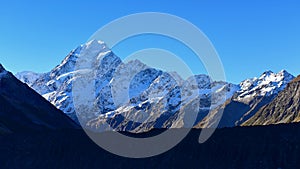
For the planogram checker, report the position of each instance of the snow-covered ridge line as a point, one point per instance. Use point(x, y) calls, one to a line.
point(267, 84)
point(151, 91)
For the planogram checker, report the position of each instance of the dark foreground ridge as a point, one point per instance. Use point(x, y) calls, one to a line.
point(260, 147)
point(22, 109)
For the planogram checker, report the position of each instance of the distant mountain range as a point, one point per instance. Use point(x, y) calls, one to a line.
point(156, 96)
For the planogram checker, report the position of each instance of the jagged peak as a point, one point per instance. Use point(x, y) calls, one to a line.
point(285, 74)
point(270, 76)
point(268, 72)
point(99, 53)
point(283, 71)
point(95, 51)
point(268, 83)
point(95, 44)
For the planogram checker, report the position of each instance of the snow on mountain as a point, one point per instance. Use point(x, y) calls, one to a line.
point(134, 97)
point(155, 94)
point(159, 105)
point(63, 76)
point(285, 108)
point(267, 84)
point(252, 94)
point(28, 77)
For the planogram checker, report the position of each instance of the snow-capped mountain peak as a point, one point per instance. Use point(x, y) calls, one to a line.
point(285, 74)
point(133, 89)
point(147, 88)
point(270, 76)
point(267, 84)
point(96, 44)
point(86, 51)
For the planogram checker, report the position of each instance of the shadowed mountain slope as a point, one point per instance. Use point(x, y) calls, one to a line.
point(23, 109)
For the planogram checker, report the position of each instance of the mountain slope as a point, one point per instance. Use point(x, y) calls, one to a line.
point(253, 94)
point(24, 109)
point(151, 91)
point(285, 108)
point(155, 97)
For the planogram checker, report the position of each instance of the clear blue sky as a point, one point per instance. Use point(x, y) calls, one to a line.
point(250, 36)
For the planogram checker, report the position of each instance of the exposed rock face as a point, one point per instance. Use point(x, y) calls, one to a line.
point(285, 108)
point(154, 97)
point(253, 94)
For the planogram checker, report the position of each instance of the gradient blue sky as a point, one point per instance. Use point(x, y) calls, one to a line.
point(250, 36)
